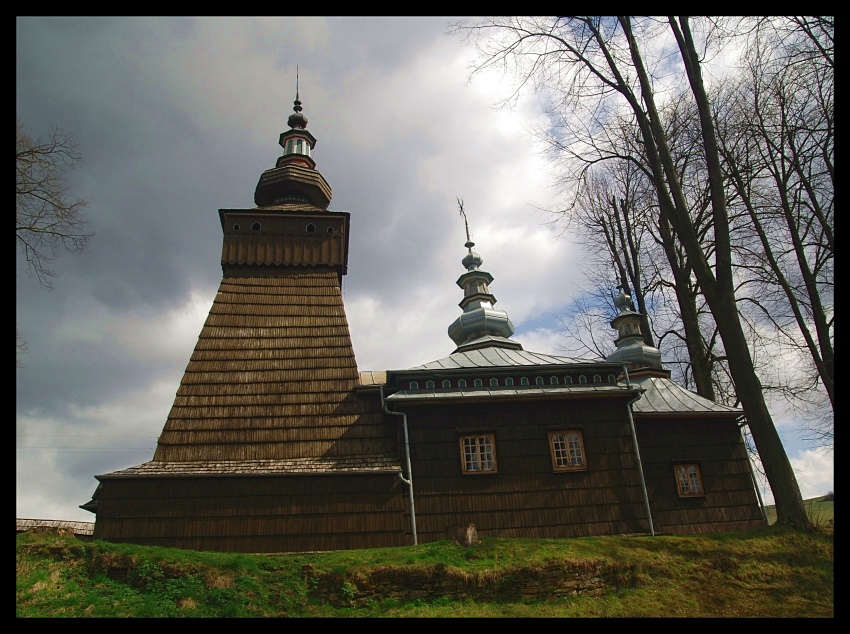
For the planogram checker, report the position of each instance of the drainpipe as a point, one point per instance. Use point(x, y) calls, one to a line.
point(637, 452)
point(741, 424)
point(409, 480)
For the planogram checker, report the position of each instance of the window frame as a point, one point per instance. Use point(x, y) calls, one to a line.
point(686, 464)
point(553, 453)
point(478, 436)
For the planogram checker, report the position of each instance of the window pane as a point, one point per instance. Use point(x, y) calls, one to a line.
point(567, 450)
point(478, 453)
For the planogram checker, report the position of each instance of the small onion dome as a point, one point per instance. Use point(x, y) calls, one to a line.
point(472, 260)
point(623, 301)
point(297, 119)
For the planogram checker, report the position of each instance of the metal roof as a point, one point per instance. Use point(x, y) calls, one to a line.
point(497, 358)
point(442, 395)
point(664, 397)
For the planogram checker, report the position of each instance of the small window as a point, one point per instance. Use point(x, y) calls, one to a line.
point(539, 380)
point(255, 226)
point(509, 381)
point(612, 379)
point(236, 227)
point(494, 382)
point(414, 385)
point(689, 480)
point(478, 453)
point(553, 380)
point(567, 449)
point(568, 380)
point(311, 228)
point(597, 378)
point(582, 379)
point(523, 380)
point(478, 383)
point(429, 385)
point(330, 229)
point(446, 383)
point(461, 382)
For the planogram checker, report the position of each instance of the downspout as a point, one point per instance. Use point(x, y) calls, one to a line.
point(637, 452)
point(741, 425)
point(409, 480)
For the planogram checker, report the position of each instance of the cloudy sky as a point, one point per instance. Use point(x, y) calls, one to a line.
point(177, 118)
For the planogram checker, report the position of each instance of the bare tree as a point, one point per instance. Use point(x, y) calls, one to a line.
point(777, 145)
point(596, 67)
point(47, 220)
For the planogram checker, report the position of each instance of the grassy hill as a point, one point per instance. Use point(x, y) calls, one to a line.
point(771, 572)
point(821, 511)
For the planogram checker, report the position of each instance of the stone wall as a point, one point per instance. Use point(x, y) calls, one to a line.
point(547, 581)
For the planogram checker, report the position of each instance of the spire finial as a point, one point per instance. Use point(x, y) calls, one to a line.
point(469, 243)
point(297, 107)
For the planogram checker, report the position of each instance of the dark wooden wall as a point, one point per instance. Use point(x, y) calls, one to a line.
point(526, 498)
point(730, 502)
point(255, 514)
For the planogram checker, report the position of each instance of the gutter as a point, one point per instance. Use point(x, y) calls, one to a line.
point(741, 424)
point(409, 480)
point(637, 452)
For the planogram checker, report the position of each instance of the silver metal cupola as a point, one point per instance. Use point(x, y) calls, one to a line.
point(480, 325)
point(631, 347)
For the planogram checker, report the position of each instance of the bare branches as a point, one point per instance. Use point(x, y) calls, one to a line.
point(46, 219)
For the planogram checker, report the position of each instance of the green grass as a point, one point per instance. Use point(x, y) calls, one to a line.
point(771, 572)
point(821, 511)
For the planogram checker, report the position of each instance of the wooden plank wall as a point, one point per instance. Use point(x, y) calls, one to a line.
point(256, 514)
point(526, 498)
point(730, 503)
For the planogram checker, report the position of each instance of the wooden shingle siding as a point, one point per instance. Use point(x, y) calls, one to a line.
point(269, 388)
point(256, 514)
point(249, 393)
point(275, 249)
point(526, 497)
point(730, 502)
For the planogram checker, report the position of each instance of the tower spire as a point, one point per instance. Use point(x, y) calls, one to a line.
point(480, 325)
point(294, 178)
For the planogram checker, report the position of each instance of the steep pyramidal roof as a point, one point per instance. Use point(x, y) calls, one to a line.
point(269, 387)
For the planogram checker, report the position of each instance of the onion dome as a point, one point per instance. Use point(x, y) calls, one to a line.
point(480, 325)
point(631, 347)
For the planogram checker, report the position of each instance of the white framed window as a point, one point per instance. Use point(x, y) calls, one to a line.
point(494, 382)
point(414, 385)
point(429, 385)
point(567, 450)
point(461, 382)
point(478, 453)
point(689, 479)
point(477, 383)
point(509, 382)
point(446, 383)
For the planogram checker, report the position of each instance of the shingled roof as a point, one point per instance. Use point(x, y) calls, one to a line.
point(269, 387)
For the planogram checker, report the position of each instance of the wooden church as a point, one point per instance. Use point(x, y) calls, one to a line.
point(276, 443)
